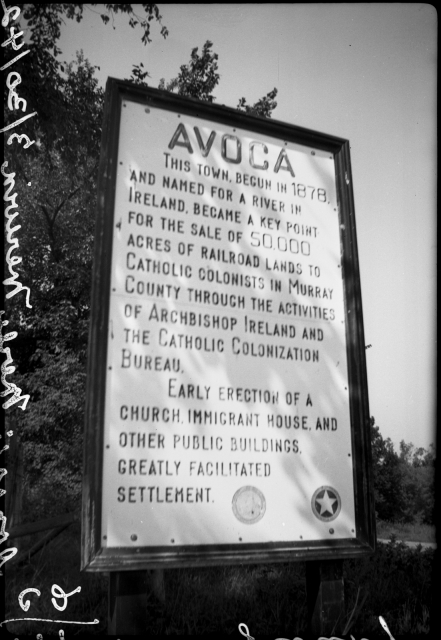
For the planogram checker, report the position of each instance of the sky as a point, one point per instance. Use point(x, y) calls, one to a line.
point(365, 72)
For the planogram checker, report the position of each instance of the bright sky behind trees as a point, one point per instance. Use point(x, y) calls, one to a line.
point(365, 72)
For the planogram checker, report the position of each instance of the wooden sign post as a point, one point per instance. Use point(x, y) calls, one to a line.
point(133, 595)
point(325, 597)
point(227, 417)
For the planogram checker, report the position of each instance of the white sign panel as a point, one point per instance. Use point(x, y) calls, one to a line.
point(226, 407)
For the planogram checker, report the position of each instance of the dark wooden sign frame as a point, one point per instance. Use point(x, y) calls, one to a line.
point(95, 557)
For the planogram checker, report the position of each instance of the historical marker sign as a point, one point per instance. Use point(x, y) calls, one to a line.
point(227, 416)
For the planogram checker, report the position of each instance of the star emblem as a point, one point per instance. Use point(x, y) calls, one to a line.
point(326, 503)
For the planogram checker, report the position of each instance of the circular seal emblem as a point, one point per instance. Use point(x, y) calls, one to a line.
point(249, 505)
point(326, 503)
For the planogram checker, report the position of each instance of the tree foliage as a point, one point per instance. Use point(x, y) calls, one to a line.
point(263, 107)
point(55, 179)
point(45, 20)
point(198, 78)
point(386, 474)
point(56, 182)
point(43, 87)
point(404, 483)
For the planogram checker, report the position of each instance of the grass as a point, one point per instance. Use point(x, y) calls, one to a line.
point(408, 532)
point(270, 599)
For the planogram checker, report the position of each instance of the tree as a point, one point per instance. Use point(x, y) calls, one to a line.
point(387, 476)
point(198, 78)
point(42, 68)
point(417, 457)
point(57, 217)
point(418, 482)
point(263, 107)
point(56, 181)
point(404, 483)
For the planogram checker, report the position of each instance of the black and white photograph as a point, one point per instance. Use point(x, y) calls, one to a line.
point(219, 328)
